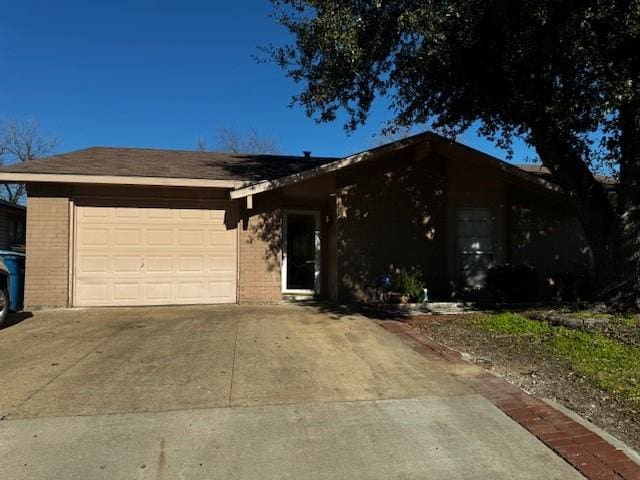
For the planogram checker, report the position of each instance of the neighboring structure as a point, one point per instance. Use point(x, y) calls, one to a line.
point(12, 226)
point(116, 226)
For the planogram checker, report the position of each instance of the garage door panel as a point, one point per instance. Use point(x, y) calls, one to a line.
point(217, 216)
point(127, 237)
point(189, 291)
point(93, 293)
point(160, 237)
point(94, 236)
point(199, 215)
point(158, 292)
point(159, 264)
point(153, 256)
point(120, 212)
point(160, 213)
point(221, 264)
point(190, 238)
point(93, 212)
point(123, 292)
point(219, 238)
point(127, 264)
point(190, 264)
point(220, 290)
point(93, 264)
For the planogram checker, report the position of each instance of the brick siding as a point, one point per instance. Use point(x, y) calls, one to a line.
point(260, 258)
point(47, 262)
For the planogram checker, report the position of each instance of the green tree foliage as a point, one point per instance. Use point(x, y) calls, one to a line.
point(563, 75)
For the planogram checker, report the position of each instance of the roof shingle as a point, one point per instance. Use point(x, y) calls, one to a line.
point(146, 162)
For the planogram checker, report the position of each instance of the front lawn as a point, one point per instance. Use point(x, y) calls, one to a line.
point(594, 371)
point(603, 361)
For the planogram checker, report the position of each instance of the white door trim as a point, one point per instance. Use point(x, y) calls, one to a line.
point(318, 257)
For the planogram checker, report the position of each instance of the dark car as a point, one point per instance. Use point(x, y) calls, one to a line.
point(4, 292)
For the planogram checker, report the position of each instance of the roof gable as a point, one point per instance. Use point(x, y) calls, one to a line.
point(424, 143)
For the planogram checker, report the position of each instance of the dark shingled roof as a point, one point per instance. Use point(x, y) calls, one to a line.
point(147, 162)
point(543, 172)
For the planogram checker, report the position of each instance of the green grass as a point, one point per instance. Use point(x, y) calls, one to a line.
point(590, 314)
point(629, 319)
point(512, 323)
point(605, 362)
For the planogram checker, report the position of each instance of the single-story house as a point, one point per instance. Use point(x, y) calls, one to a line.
point(128, 226)
point(12, 226)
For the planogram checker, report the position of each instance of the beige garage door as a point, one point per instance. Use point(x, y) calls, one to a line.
point(126, 255)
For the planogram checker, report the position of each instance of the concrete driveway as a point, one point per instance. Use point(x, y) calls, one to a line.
point(243, 392)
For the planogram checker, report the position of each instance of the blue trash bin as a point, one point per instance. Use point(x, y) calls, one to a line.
point(14, 261)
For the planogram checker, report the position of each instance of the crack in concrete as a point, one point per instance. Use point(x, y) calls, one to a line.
point(54, 378)
point(233, 363)
point(248, 406)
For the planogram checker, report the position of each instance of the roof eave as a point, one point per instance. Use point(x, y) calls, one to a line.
point(367, 155)
point(15, 177)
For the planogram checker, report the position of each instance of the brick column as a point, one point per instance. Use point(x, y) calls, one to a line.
point(47, 262)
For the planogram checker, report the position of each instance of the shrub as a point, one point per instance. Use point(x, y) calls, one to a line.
point(513, 283)
point(409, 285)
point(564, 287)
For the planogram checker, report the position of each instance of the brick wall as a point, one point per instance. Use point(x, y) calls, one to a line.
point(260, 257)
point(391, 220)
point(47, 262)
point(472, 183)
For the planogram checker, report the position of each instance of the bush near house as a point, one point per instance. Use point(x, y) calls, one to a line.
point(513, 283)
point(403, 286)
point(563, 287)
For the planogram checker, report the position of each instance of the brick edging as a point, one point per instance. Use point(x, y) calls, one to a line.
point(585, 450)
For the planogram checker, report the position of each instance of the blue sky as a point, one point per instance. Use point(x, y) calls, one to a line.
point(159, 74)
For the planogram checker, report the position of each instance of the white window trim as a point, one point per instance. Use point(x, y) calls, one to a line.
point(318, 256)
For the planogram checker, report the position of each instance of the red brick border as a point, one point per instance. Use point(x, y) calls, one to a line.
point(585, 450)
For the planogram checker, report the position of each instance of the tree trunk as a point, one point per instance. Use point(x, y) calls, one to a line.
point(627, 293)
point(606, 231)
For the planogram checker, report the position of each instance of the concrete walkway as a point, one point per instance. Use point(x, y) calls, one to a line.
point(240, 392)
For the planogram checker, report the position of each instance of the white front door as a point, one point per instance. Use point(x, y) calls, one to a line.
point(301, 252)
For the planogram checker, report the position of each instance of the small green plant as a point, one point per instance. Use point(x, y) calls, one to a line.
point(409, 285)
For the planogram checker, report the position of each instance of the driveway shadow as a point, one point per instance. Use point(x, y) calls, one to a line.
point(16, 318)
point(338, 310)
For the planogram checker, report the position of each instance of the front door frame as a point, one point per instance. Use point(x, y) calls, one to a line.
point(318, 252)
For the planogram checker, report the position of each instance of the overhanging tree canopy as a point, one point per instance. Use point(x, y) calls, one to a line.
point(556, 73)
